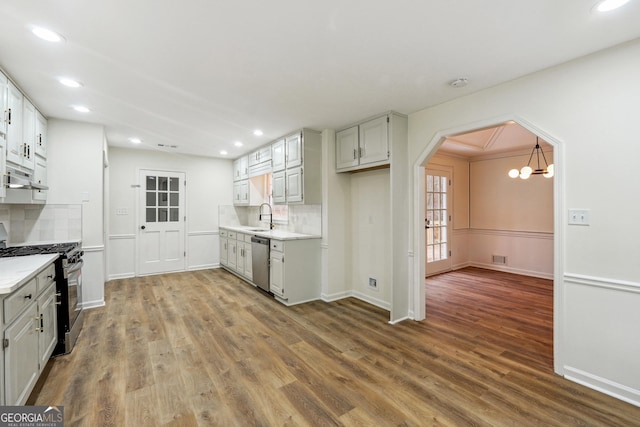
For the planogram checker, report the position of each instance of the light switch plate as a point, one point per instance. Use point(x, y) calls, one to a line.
point(578, 216)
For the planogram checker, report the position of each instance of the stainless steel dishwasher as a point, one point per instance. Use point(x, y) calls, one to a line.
point(260, 261)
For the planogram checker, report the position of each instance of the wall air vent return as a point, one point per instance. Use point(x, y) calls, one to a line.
point(499, 259)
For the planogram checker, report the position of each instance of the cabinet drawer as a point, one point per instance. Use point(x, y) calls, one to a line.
point(247, 238)
point(46, 277)
point(231, 234)
point(277, 245)
point(15, 303)
point(224, 233)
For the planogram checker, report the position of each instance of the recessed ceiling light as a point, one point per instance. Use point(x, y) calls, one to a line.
point(135, 140)
point(81, 108)
point(48, 35)
point(460, 82)
point(238, 144)
point(69, 82)
point(223, 152)
point(607, 5)
point(257, 132)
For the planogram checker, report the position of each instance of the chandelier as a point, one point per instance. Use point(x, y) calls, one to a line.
point(527, 171)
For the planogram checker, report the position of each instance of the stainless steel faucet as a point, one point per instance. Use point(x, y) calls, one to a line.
point(271, 226)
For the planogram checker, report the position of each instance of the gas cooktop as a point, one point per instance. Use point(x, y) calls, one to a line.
point(54, 248)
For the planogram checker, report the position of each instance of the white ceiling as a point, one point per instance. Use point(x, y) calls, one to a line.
point(203, 74)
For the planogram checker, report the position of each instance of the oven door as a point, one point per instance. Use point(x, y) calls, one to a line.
point(74, 279)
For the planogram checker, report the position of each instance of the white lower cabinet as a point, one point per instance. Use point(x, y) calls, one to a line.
point(232, 252)
point(294, 272)
point(224, 243)
point(29, 337)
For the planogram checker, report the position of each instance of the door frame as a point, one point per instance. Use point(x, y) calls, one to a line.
point(139, 189)
point(449, 171)
point(418, 294)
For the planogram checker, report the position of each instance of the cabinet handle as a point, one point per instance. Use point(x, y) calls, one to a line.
point(359, 151)
point(354, 154)
point(9, 122)
point(29, 296)
point(41, 323)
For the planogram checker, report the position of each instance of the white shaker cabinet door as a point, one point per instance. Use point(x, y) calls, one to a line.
point(347, 148)
point(294, 150)
point(295, 185)
point(374, 141)
point(278, 156)
point(15, 145)
point(21, 357)
point(279, 187)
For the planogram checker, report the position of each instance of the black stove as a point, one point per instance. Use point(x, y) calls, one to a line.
point(68, 287)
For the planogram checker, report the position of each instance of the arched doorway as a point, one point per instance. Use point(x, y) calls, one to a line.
point(419, 268)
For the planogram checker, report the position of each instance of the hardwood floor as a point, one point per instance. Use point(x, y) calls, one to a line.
point(204, 348)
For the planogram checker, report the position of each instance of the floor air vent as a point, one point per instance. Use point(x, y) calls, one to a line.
point(499, 259)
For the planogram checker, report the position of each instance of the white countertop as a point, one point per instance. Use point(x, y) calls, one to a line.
point(271, 234)
point(15, 271)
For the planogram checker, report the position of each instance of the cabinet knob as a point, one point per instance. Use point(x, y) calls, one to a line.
point(143, 227)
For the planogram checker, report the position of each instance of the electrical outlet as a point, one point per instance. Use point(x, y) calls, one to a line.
point(373, 283)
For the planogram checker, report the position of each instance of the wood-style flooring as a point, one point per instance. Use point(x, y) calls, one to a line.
point(204, 348)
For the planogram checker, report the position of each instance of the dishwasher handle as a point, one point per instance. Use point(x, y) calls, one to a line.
point(260, 240)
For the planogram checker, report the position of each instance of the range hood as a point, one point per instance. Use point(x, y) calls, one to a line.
point(17, 179)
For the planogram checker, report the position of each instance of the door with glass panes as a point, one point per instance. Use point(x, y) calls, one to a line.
point(437, 221)
point(161, 231)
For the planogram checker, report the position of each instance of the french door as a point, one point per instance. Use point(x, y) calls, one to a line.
point(437, 220)
point(161, 231)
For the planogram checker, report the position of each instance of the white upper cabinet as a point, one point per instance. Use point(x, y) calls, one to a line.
point(374, 141)
point(28, 134)
point(279, 187)
point(241, 168)
point(41, 135)
point(260, 161)
point(4, 106)
point(293, 145)
point(278, 161)
point(15, 145)
point(347, 148)
point(365, 145)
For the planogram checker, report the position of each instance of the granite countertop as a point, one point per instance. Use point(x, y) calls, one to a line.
point(271, 234)
point(18, 270)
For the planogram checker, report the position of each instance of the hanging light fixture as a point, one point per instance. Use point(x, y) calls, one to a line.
point(527, 171)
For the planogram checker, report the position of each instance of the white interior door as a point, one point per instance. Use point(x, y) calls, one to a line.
point(161, 231)
point(437, 221)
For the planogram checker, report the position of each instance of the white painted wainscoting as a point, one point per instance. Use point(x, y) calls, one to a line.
point(602, 348)
point(203, 251)
point(527, 253)
point(93, 277)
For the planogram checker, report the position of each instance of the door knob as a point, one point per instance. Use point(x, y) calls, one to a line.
point(143, 227)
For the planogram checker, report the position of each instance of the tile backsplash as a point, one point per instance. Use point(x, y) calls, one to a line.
point(42, 223)
point(305, 219)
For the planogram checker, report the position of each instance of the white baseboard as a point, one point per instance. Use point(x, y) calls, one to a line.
point(121, 276)
point(93, 304)
point(363, 297)
point(202, 267)
point(603, 385)
point(506, 269)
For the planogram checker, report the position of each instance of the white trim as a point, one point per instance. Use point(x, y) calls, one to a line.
point(203, 233)
point(97, 248)
point(121, 276)
point(202, 267)
point(93, 304)
point(540, 235)
point(603, 282)
point(394, 322)
point(603, 385)
point(122, 236)
point(512, 270)
point(359, 295)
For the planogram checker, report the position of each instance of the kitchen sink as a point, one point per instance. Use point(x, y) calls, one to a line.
point(259, 229)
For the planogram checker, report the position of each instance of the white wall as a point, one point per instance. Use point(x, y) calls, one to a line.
point(74, 163)
point(209, 184)
point(587, 105)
